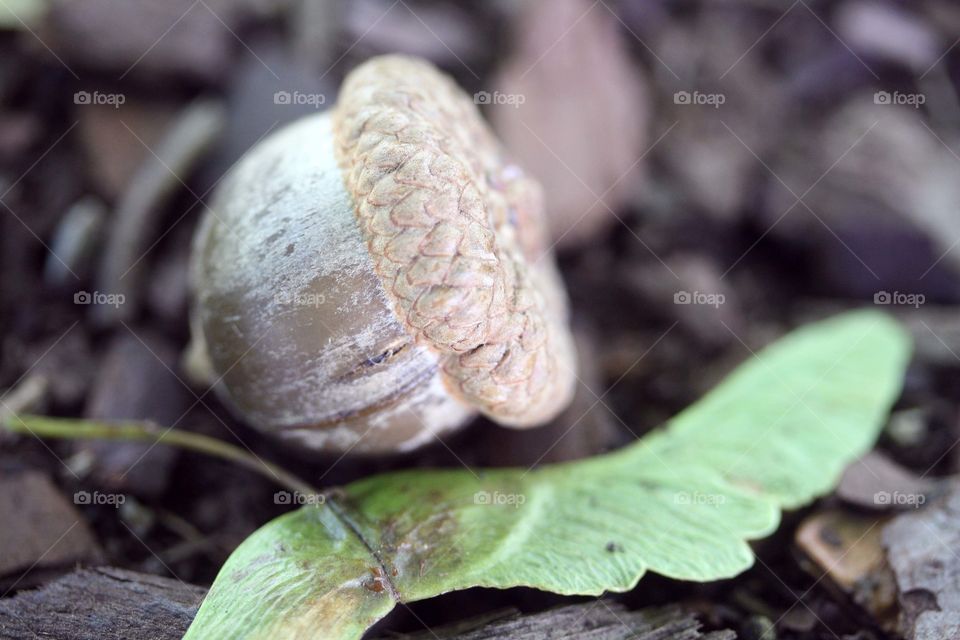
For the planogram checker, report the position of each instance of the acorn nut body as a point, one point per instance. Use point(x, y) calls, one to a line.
point(374, 276)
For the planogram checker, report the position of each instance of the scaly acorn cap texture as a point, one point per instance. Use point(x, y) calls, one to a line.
point(458, 238)
point(370, 277)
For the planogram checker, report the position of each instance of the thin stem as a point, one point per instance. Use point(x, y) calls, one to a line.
point(73, 429)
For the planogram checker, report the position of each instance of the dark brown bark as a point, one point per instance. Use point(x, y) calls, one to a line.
point(600, 620)
point(103, 603)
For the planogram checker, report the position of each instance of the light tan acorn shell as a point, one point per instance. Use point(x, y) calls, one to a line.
point(424, 251)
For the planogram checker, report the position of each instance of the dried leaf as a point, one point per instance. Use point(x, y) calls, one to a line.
point(572, 107)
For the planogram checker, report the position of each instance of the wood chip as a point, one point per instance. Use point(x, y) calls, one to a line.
point(601, 620)
point(922, 549)
point(845, 550)
point(41, 528)
point(145, 38)
point(103, 603)
point(876, 482)
point(136, 381)
point(141, 205)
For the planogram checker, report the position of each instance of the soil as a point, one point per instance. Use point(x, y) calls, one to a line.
point(766, 207)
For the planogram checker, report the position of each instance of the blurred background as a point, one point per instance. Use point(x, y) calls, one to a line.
point(716, 172)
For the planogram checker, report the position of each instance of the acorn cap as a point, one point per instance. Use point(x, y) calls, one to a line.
point(457, 237)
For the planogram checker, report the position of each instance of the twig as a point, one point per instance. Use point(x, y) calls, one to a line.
point(73, 429)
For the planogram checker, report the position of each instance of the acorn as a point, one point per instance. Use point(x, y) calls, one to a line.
point(371, 277)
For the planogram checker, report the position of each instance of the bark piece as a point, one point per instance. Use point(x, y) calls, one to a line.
point(118, 140)
point(18, 131)
point(145, 39)
point(889, 33)
point(64, 358)
point(877, 482)
point(597, 620)
point(140, 207)
point(845, 549)
point(700, 300)
point(882, 211)
point(41, 529)
point(921, 548)
point(105, 603)
point(75, 242)
point(444, 33)
point(135, 382)
point(935, 332)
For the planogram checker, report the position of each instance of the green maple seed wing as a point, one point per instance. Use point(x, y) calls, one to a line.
point(681, 502)
point(788, 421)
point(300, 576)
